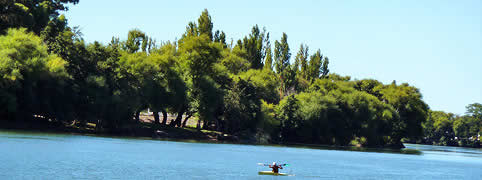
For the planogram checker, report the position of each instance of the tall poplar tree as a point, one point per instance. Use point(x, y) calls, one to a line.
point(315, 66)
point(301, 60)
point(268, 61)
point(282, 54)
point(254, 46)
point(324, 68)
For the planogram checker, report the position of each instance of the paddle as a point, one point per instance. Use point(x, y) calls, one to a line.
point(265, 164)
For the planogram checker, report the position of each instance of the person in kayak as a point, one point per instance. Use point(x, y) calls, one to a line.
point(275, 167)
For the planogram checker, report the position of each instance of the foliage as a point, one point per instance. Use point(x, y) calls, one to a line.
point(266, 83)
point(33, 15)
point(255, 47)
point(242, 109)
point(281, 54)
point(268, 61)
point(48, 72)
point(33, 82)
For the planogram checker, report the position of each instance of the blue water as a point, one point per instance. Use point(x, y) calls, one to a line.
point(59, 156)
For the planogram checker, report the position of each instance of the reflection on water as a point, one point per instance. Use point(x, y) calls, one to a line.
point(447, 151)
point(445, 148)
point(360, 149)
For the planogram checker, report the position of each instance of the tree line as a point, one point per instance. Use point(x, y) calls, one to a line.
point(448, 129)
point(245, 87)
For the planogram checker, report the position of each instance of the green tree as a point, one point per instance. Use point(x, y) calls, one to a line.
point(281, 54)
point(191, 30)
point(407, 101)
point(466, 127)
point(32, 80)
point(136, 40)
point(475, 110)
point(220, 36)
point(255, 48)
point(242, 107)
point(301, 60)
point(371, 86)
point(233, 60)
point(205, 24)
point(438, 128)
point(199, 56)
point(111, 100)
point(33, 15)
point(268, 60)
point(266, 83)
point(315, 66)
point(324, 68)
point(317, 112)
point(288, 114)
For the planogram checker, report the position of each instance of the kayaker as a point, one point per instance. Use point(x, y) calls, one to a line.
point(275, 167)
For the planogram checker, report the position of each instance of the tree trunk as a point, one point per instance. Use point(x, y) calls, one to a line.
point(178, 120)
point(156, 117)
point(205, 124)
point(138, 119)
point(185, 120)
point(218, 124)
point(198, 126)
point(164, 117)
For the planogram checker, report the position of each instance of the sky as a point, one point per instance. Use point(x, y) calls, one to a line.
point(434, 45)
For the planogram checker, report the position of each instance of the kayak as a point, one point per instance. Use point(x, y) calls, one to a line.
point(272, 173)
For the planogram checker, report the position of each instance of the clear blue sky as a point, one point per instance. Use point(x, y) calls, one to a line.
point(435, 45)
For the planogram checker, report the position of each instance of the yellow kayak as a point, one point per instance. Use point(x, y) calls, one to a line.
point(272, 173)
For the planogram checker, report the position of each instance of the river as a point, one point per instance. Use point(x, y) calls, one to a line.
point(27, 155)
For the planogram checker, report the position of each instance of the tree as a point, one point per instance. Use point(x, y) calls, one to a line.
point(288, 114)
point(301, 60)
point(370, 86)
point(438, 128)
point(289, 81)
point(205, 25)
point(32, 15)
point(407, 101)
point(136, 40)
point(254, 47)
point(466, 127)
point(58, 36)
point(242, 107)
point(198, 56)
point(281, 54)
point(220, 37)
point(315, 66)
point(233, 60)
point(268, 61)
point(32, 80)
point(191, 30)
point(266, 83)
point(317, 112)
point(324, 68)
point(474, 110)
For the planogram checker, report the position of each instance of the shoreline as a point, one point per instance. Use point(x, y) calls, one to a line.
point(192, 135)
point(148, 131)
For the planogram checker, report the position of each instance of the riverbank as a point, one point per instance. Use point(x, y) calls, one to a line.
point(203, 136)
point(141, 129)
point(146, 128)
